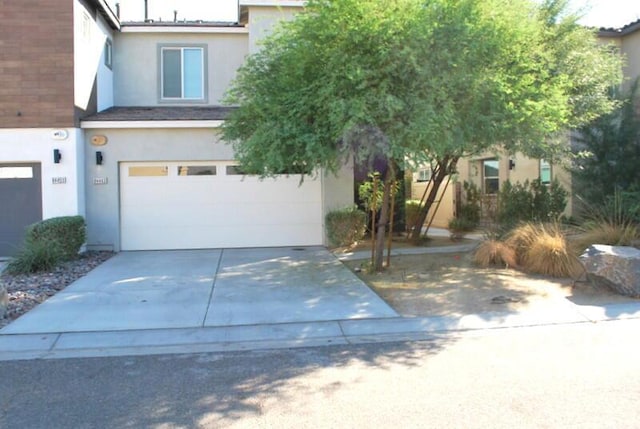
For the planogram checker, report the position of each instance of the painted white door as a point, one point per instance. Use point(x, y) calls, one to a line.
point(195, 205)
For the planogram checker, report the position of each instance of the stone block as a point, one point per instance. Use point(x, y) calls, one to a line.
point(615, 267)
point(4, 301)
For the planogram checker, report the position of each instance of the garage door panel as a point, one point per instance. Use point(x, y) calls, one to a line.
point(264, 192)
point(204, 214)
point(185, 212)
point(230, 236)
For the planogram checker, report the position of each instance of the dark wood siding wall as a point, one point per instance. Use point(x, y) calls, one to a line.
point(36, 64)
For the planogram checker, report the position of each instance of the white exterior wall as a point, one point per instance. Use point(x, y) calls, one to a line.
point(137, 67)
point(105, 74)
point(337, 189)
point(88, 49)
point(262, 19)
point(37, 145)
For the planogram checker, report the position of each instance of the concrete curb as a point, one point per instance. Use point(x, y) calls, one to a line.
point(291, 335)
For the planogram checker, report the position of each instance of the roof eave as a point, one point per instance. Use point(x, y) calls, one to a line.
point(108, 14)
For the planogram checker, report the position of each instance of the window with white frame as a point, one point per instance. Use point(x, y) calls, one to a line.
point(182, 71)
point(424, 174)
point(545, 172)
point(491, 176)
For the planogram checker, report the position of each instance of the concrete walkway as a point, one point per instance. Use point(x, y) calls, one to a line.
point(216, 300)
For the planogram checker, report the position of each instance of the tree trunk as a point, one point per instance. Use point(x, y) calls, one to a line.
point(384, 218)
point(445, 167)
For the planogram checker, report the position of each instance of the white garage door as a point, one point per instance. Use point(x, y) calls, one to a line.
point(194, 205)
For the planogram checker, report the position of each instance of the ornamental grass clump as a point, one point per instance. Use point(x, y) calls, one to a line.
point(548, 252)
point(615, 222)
point(494, 253)
point(522, 237)
point(603, 232)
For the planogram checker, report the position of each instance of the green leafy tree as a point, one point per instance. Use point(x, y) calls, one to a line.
point(608, 154)
point(389, 81)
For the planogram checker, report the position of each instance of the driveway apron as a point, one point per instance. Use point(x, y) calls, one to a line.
point(132, 290)
point(283, 285)
point(196, 288)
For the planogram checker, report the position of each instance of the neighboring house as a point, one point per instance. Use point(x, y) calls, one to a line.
point(489, 171)
point(146, 166)
point(54, 66)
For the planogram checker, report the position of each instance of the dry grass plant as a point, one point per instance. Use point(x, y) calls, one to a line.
point(605, 232)
point(522, 237)
point(494, 253)
point(549, 254)
point(614, 223)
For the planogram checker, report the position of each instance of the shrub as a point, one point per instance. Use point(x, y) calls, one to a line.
point(471, 209)
point(35, 256)
point(412, 211)
point(66, 233)
point(530, 202)
point(515, 203)
point(460, 224)
point(345, 226)
point(494, 252)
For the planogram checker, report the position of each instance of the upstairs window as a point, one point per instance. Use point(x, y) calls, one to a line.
point(108, 53)
point(182, 73)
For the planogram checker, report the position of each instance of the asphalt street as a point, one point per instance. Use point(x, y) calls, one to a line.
point(584, 375)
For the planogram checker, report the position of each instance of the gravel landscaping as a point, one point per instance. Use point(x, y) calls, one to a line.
point(28, 290)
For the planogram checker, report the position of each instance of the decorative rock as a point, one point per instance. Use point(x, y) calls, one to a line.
point(615, 267)
point(4, 301)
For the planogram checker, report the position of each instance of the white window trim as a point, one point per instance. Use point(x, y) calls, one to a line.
point(485, 177)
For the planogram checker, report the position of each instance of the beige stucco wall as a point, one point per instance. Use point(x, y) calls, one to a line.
point(631, 49)
point(446, 210)
point(525, 168)
point(137, 69)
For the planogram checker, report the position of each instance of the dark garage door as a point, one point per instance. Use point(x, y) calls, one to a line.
point(20, 203)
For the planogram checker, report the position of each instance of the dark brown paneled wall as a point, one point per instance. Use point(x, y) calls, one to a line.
point(36, 64)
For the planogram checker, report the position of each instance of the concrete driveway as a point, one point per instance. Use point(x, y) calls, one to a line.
point(206, 288)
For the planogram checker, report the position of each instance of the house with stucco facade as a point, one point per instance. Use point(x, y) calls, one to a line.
point(489, 171)
point(122, 125)
point(55, 66)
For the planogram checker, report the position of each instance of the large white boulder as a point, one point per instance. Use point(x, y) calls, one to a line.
point(616, 267)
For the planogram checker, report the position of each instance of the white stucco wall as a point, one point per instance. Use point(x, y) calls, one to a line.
point(337, 189)
point(37, 145)
point(263, 18)
point(136, 64)
point(88, 49)
point(105, 74)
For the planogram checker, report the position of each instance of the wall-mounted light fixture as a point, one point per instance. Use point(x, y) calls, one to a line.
point(57, 156)
point(512, 164)
point(99, 158)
